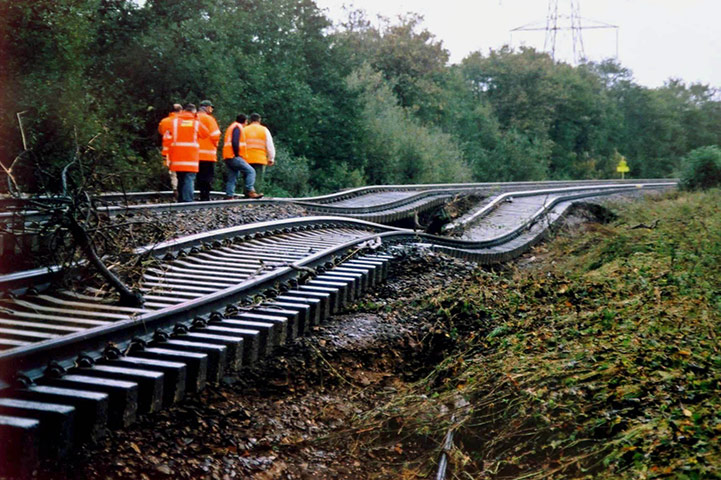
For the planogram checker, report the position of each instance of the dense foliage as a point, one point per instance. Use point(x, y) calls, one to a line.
point(701, 169)
point(359, 103)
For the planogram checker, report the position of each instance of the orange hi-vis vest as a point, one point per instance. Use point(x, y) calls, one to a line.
point(209, 146)
point(165, 125)
point(255, 142)
point(228, 144)
point(184, 144)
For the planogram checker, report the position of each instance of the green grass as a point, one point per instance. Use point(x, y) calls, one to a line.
point(603, 361)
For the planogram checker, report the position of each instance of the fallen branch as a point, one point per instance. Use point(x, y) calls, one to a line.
point(643, 225)
point(127, 296)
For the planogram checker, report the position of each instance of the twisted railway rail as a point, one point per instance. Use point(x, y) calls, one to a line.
point(380, 203)
point(72, 364)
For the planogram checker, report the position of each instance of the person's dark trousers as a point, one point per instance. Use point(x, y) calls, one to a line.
point(185, 186)
point(259, 176)
point(205, 179)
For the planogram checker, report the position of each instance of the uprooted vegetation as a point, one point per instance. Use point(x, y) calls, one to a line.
point(600, 360)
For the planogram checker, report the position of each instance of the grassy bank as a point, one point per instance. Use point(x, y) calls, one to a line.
point(598, 357)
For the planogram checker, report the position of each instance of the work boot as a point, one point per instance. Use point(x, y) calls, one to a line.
point(253, 194)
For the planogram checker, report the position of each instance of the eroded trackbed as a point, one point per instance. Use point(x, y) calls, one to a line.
point(214, 302)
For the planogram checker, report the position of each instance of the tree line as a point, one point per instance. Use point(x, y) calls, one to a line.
point(358, 103)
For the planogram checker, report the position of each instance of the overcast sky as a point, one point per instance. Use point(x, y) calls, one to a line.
point(657, 39)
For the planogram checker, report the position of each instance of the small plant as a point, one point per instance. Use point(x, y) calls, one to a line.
point(701, 169)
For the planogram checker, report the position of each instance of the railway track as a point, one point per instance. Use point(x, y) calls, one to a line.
point(72, 363)
point(23, 232)
point(380, 203)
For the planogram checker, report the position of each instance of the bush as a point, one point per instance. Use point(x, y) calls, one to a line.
point(400, 149)
point(289, 177)
point(701, 169)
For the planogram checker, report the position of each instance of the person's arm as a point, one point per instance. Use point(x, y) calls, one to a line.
point(203, 131)
point(269, 147)
point(235, 142)
point(214, 130)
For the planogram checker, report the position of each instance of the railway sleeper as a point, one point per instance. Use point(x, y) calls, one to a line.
point(19, 446)
point(150, 383)
point(267, 332)
point(359, 279)
point(334, 301)
point(57, 423)
point(323, 298)
point(217, 354)
point(292, 317)
point(314, 306)
point(374, 269)
point(123, 395)
point(282, 331)
point(301, 310)
point(92, 407)
point(362, 274)
point(343, 295)
point(175, 374)
point(251, 338)
point(233, 345)
point(352, 283)
point(196, 364)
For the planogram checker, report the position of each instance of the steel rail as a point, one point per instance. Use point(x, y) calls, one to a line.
point(463, 222)
point(319, 199)
point(317, 205)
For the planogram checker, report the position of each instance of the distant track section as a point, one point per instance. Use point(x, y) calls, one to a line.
point(379, 203)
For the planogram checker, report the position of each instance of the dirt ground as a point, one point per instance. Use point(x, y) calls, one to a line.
point(288, 417)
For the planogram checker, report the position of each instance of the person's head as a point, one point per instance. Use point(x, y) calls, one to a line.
point(242, 119)
point(206, 106)
point(254, 117)
point(177, 107)
point(190, 108)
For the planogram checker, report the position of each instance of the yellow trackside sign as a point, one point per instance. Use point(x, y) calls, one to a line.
point(622, 166)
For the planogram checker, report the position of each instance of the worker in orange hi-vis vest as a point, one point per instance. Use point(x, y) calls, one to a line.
point(208, 149)
point(164, 126)
point(184, 149)
point(260, 148)
point(234, 154)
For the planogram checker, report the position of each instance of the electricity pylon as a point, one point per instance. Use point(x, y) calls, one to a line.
point(571, 21)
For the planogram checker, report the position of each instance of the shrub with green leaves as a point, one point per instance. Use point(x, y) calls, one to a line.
point(701, 168)
point(289, 177)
